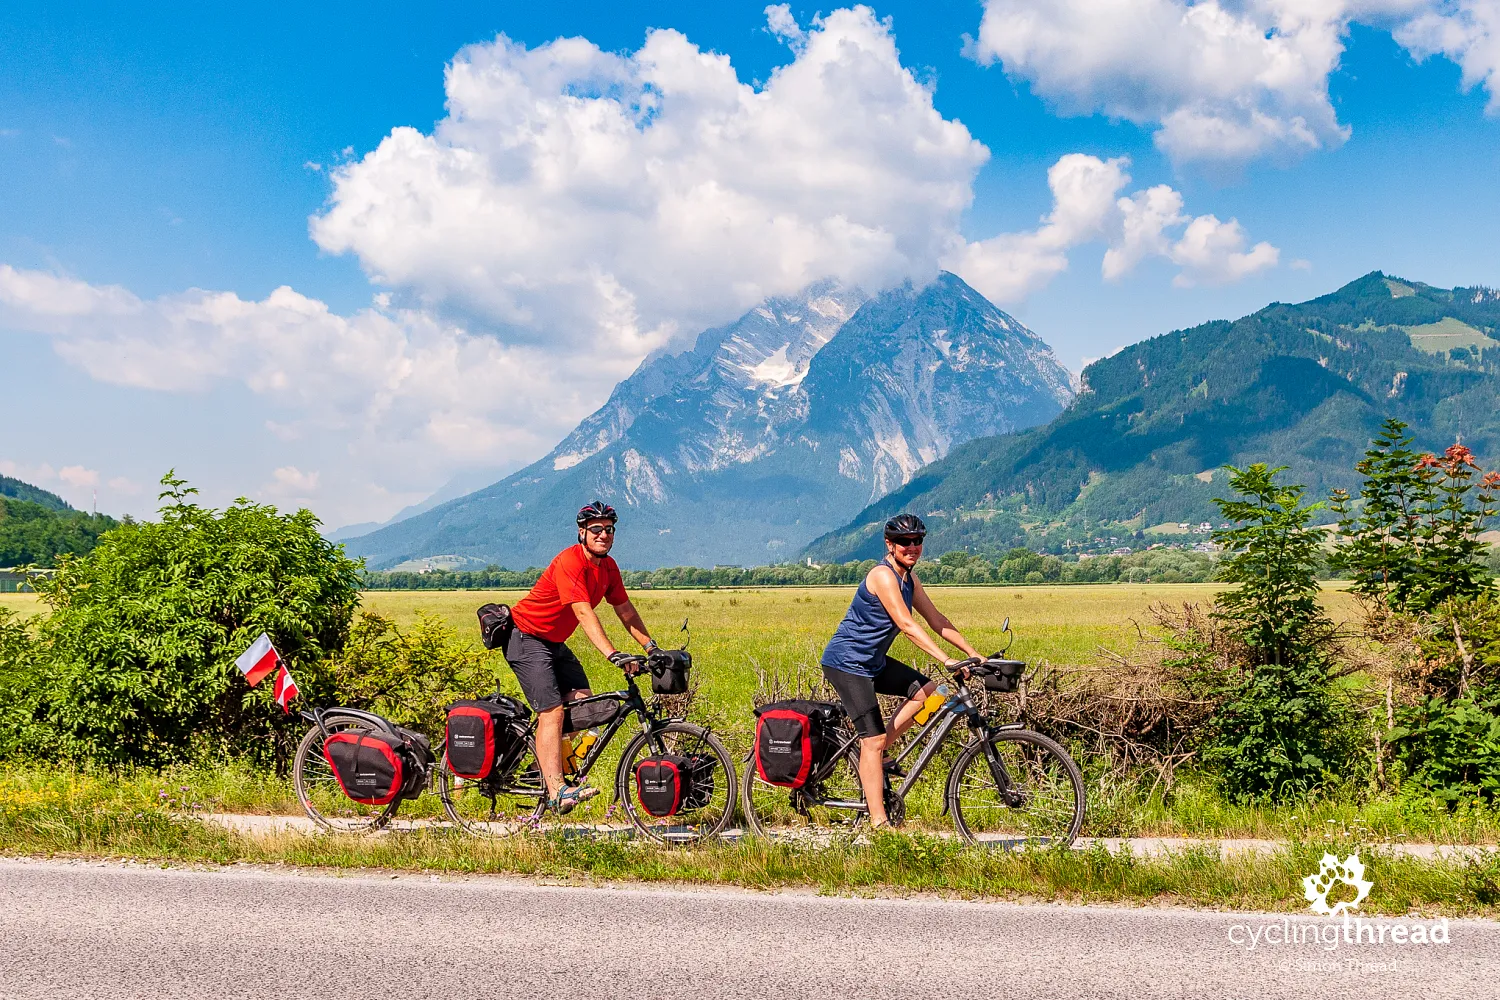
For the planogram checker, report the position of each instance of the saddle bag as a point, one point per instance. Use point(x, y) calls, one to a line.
point(371, 766)
point(1000, 675)
point(495, 625)
point(482, 733)
point(789, 740)
point(662, 784)
point(669, 670)
point(590, 714)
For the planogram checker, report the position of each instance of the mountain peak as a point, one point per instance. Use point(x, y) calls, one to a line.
point(768, 431)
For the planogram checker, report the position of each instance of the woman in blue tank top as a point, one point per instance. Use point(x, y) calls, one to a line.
point(856, 663)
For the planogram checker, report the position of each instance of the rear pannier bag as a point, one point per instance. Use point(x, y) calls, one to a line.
point(789, 740)
point(481, 734)
point(1000, 675)
point(370, 766)
point(662, 783)
point(495, 625)
point(669, 670)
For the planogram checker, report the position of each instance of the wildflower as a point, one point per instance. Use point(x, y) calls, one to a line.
point(1491, 479)
point(1458, 455)
point(1427, 461)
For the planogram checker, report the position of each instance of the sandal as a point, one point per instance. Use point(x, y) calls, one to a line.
point(569, 798)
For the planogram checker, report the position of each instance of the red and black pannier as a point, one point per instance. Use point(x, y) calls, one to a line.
point(789, 740)
point(481, 733)
point(663, 783)
point(371, 766)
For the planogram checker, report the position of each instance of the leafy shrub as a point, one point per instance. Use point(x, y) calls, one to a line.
point(135, 661)
point(411, 676)
point(1282, 731)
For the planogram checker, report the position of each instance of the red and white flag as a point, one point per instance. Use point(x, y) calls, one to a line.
point(286, 689)
point(258, 661)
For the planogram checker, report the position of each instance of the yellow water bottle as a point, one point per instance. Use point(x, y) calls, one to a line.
point(932, 703)
point(581, 750)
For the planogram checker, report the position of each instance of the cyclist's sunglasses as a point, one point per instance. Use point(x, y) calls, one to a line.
point(600, 529)
point(906, 541)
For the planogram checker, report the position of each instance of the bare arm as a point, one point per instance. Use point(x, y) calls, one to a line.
point(592, 627)
point(882, 580)
point(631, 619)
point(936, 619)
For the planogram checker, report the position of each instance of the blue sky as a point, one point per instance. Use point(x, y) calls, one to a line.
point(147, 155)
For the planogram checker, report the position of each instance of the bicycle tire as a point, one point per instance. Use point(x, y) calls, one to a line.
point(774, 812)
point(318, 790)
point(687, 826)
point(1048, 778)
point(464, 801)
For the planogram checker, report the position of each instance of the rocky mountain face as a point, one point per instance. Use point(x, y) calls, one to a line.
point(768, 432)
point(1304, 386)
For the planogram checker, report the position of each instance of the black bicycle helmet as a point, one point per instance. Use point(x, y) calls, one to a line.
point(597, 511)
point(905, 525)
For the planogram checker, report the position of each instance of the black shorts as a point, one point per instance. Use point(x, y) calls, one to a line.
point(548, 671)
point(858, 692)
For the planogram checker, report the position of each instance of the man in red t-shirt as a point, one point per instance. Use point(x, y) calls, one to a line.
point(574, 583)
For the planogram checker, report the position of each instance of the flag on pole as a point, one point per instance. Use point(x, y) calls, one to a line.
point(258, 661)
point(286, 689)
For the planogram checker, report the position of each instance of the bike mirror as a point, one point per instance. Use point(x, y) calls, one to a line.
point(1005, 625)
point(690, 635)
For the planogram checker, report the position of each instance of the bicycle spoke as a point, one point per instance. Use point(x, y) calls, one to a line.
point(1041, 806)
point(711, 793)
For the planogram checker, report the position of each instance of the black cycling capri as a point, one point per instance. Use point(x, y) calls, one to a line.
point(858, 692)
point(547, 670)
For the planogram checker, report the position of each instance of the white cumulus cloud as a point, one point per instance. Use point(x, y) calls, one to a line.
point(582, 196)
point(1086, 208)
point(402, 389)
point(1220, 80)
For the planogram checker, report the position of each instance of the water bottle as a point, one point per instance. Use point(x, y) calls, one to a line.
point(932, 703)
point(580, 750)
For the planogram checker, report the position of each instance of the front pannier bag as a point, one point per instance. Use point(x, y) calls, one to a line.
point(480, 733)
point(370, 766)
point(662, 783)
point(669, 670)
point(789, 740)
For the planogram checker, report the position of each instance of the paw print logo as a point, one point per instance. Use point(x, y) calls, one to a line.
point(1350, 871)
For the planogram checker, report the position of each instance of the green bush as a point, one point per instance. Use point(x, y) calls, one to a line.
point(411, 676)
point(134, 663)
point(1282, 732)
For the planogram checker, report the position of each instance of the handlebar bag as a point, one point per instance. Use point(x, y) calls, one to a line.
point(789, 740)
point(370, 766)
point(1000, 675)
point(591, 714)
point(669, 670)
point(662, 783)
point(495, 625)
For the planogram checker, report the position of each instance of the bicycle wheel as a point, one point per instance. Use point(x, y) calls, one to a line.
point(318, 790)
point(1042, 805)
point(806, 813)
point(494, 806)
point(710, 803)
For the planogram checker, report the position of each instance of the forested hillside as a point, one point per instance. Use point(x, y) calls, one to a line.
point(1301, 385)
point(34, 534)
point(35, 494)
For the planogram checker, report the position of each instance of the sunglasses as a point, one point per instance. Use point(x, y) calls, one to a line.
point(906, 541)
point(601, 529)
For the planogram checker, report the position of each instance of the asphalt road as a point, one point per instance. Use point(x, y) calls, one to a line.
point(103, 930)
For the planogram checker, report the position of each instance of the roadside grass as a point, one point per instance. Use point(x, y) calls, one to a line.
point(49, 825)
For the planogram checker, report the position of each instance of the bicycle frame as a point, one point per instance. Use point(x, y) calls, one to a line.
point(930, 739)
